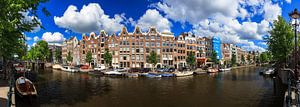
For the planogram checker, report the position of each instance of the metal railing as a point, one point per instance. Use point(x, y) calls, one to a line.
point(11, 86)
point(293, 86)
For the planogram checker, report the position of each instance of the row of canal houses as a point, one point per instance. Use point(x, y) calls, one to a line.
point(130, 50)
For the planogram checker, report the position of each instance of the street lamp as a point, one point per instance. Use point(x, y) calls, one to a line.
point(295, 15)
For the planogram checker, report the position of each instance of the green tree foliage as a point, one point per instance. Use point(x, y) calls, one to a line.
point(233, 59)
point(191, 60)
point(243, 59)
point(152, 58)
point(39, 51)
point(214, 57)
point(263, 57)
point(42, 50)
point(280, 42)
point(57, 55)
point(107, 57)
point(89, 57)
point(69, 57)
point(249, 58)
point(12, 25)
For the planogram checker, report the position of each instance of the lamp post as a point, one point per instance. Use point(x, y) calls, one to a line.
point(295, 15)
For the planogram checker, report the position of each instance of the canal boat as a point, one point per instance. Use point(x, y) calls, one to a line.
point(57, 66)
point(85, 69)
point(153, 75)
point(269, 71)
point(133, 75)
point(20, 68)
point(184, 73)
point(212, 70)
point(98, 69)
point(167, 74)
point(224, 69)
point(25, 87)
point(118, 72)
point(69, 69)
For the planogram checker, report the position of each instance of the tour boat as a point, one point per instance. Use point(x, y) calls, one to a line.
point(25, 87)
point(184, 73)
point(85, 69)
point(153, 75)
point(69, 69)
point(212, 70)
point(57, 66)
point(224, 69)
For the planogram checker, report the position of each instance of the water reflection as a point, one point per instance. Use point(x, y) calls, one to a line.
point(239, 87)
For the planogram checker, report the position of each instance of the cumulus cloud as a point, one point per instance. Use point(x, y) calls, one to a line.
point(152, 18)
point(193, 11)
point(288, 1)
point(28, 38)
point(90, 18)
point(271, 11)
point(251, 46)
point(55, 37)
point(36, 38)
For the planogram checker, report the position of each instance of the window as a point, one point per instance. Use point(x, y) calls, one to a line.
point(102, 45)
point(83, 52)
point(157, 44)
point(147, 44)
point(124, 57)
point(152, 44)
point(147, 50)
point(137, 50)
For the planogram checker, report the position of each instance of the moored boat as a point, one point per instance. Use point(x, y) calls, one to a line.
point(153, 75)
point(132, 75)
point(184, 73)
point(85, 69)
point(269, 71)
point(57, 66)
point(20, 68)
point(69, 69)
point(167, 74)
point(212, 70)
point(224, 69)
point(25, 87)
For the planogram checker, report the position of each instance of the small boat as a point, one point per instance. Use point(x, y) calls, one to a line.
point(85, 69)
point(167, 74)
point(184, 73)
point(96, 72)
point(143, 74)
point(25, 87)
point(153, 75)
point(212, 70)
point(20, 68)
point(115, 72)
point(69, 69)
point(57, 66)
point(98, 69)
point(132, 75)
point(269, 71)
point(224, 69)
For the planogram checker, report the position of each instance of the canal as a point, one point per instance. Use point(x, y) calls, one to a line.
point(237, 88)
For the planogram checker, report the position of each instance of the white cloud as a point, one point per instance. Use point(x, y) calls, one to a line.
point(90, 18)
point(29, 19)
point(56, 37)
point(33, 44)
point(252, 47)
point(36, 38)
point(193, 11)
point(152, 18)
point(288, 1)
point(271, 11)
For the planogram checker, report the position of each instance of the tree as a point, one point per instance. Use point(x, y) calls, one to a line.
point(248, 58)
point(263, 57)
point(89, 57)
point(191, 60)
point(107, 57)
point(280, 41)
point(69, 57)
point(57, 55)
point(152, 59)
point(214, 57)
point(233, 60)
point(243, 59)
point(13, 24)
point(42, 50)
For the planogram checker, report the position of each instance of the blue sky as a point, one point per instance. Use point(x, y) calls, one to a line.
point(242, 22)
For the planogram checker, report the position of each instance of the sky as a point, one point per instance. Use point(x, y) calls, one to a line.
point(241, 22)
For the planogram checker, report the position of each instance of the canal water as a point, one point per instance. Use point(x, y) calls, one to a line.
point(237, 88)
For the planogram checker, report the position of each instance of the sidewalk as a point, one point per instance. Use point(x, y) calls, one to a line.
point(4, 88)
